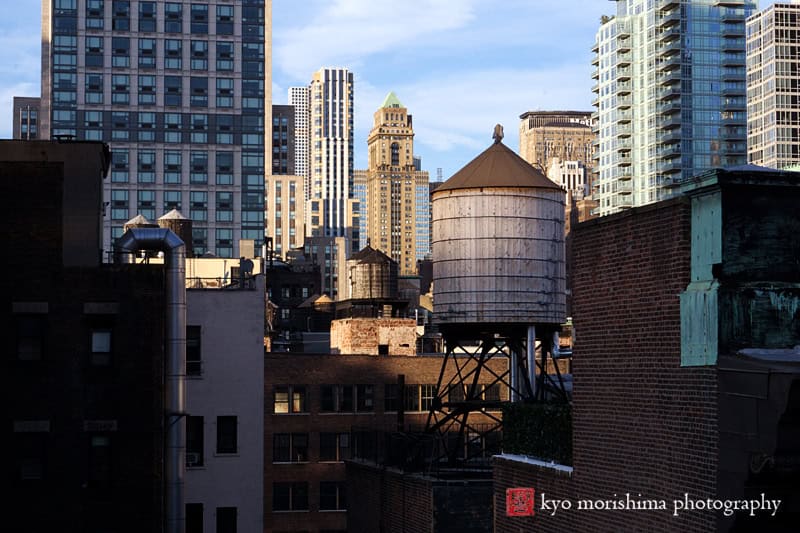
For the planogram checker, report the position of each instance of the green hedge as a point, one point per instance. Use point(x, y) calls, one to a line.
point(540, 430)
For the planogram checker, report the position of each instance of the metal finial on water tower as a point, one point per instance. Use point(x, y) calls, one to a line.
point(498, 133)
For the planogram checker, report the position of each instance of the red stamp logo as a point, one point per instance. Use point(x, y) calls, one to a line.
point(519, 502)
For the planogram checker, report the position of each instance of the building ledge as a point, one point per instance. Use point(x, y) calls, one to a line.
point(538, 463)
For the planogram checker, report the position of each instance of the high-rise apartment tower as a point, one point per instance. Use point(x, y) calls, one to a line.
point(181, 91)
point(670, 96)
point(298, 97)
point(773, 86)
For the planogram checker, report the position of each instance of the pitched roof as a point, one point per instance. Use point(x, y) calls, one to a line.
point(391, 100)
point(368, 254)
point(497, 166)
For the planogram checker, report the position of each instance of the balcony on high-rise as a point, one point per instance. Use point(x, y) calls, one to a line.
point(623, 73)
point(623, 87)
point(624, 102)
point(624, 116)
point(666, 19)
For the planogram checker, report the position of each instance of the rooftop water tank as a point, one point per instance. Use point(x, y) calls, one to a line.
point(498, 243)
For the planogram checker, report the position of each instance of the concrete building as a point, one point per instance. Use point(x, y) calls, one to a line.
point(773, 86)
point(360, 194)
point(683, 410)
point(572, 176)
point(397, 192)
point(225, 393)
point(567, 135)
point(298, 98)
point(331, 151)
point(284, 212)
point(330, 253)
point(26, 118)
point(85, 353)
point(182, 94)
point(670, 96)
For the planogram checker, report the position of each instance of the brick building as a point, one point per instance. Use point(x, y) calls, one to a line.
point(85, 349)
point(685, 376)
point(316, 406)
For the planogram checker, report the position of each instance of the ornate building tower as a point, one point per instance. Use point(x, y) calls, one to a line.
point(393, 182)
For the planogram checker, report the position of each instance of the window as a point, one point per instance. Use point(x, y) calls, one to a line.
point(147, 16)
point(346, 398)
point(94, 14)
point(227, 434)
point(94, 51)
point(194, 363)
point(419, 397)
point(224, 168)
point(332, 496)
point(120, 52)
point(147, 90)
point(147, 53)
point(224, 243)
point(172, 166)
point(224, 206)
point(224, 20)
point(198, 96)
point(226, 519)
point(224, 55)
point(199, 164)
point(172, 91)
point(289, 399)
point(99, 461)
point(172, 200)
point(119, 204)
point(199, 240)
point(119, 158)
point(199, 59)
point(30, 331)
point(173, 15)
point(146, 166)
point(224, 92)
point(199, 18)
point(198, 205)
point(120, 89)
point(290, 496)
point(173, 53)
point(173, 123)
point(334, 446)
point(120, 16)
point(224, 129)
point(194, 518)
point(194, 441)
point(101, 347)
point(94, 89)
point(290, 447)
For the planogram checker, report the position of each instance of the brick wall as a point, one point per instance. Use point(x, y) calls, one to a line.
point(363, 335)
point(642, 424)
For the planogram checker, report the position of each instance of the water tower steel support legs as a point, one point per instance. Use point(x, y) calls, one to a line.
point(531, 349)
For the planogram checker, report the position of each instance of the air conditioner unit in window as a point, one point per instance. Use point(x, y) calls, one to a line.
point(193, 459)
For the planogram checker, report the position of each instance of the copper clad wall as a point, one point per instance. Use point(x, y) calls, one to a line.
point(498, 255)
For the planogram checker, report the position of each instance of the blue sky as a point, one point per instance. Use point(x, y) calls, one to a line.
point(460, 66)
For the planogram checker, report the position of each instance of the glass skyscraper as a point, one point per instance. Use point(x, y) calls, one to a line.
point(670, 90)
point(180, 90)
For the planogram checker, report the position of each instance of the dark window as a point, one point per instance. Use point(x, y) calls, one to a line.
point(99, 461)
point(172, 90)
point(412, 398)
point(332, 496)
point(395, 154)
point(290, 496)
point(194, 362)
point(364, 398)
point(491, 392)
point(147, 16)
point(226, 434)
point(390, 397)
point(194, 441)
point(194, 518)
point(199, 18)
point(101, 347)
point(289, 399)
point(290, 448)
point(121, 15)
point(226, 519)
point(383, 349)
point(334, 446)
point(173, 13)
point(30, 337)
point(456, 393)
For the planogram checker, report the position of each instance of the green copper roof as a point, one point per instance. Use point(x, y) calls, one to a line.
point(391, 100)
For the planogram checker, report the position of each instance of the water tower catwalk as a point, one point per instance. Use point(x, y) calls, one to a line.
point(499, 286)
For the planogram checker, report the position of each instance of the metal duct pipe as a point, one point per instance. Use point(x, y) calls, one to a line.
point(164, 240)
point(531, 344)
point(514, 375)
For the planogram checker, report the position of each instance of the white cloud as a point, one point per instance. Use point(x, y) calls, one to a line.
point(346, 32)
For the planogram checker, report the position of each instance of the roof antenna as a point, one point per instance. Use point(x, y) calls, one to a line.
point(498, 134)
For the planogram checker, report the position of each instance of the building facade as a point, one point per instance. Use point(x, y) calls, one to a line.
point(670, 96)
point(396, 189)
point(773, 86)
point(567, 135)
point(331, 150)
point(298, 98)
point(181, 92)
point(284, 208)
point(26, 118)
point(572, 176)
point(224, 390)
point(283, 139)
